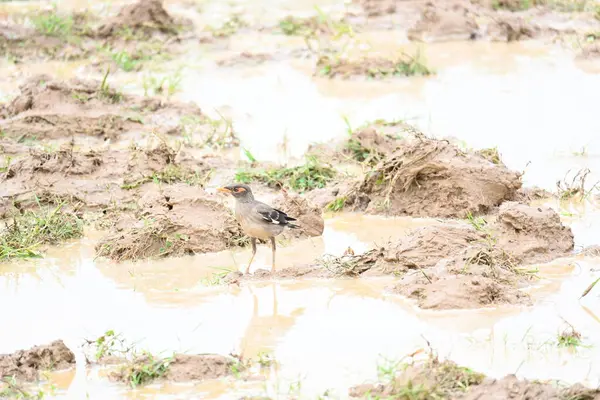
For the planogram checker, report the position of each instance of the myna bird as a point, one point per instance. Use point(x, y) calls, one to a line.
point(258, 220)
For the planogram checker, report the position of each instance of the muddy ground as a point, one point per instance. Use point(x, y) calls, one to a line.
point(26, 365)
point(433, 378)
point(113, 40)
point(141, 169)
point(455, 265)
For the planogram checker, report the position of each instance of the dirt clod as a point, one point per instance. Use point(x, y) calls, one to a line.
point(444, 22)
point(180, 220)
point(433, 178)
point(26, 364)
point(179, 368)
point(435, 379)
point(146, 16)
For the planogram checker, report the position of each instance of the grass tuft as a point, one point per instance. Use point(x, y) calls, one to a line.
point(491, 154)
point(569, 338)
point(377, 68)
point(145, 368)
point(478, 223)
point(337, 204)
point(425, 380)
point(11, 389)
point(53, 24)
point(311, 175)
point(575, 188)
point(22, 237)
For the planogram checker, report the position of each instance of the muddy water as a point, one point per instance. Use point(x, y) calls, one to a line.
point(323, 334)
point(532, 101)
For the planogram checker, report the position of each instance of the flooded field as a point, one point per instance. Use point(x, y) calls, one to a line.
point(440, 158)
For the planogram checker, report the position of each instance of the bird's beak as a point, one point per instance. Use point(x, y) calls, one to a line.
point(223, 190)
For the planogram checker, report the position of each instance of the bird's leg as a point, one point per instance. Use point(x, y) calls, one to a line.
point(253, 242)
point(274, 248)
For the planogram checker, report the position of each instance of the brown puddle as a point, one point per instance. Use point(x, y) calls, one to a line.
point(325, 334)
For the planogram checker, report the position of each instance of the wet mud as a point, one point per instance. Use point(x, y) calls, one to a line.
point(445, 379)
point(61, 35)
point(433, 178)
point(179, 368)
point(26, 365)
point(454, 265)
point(142, 170)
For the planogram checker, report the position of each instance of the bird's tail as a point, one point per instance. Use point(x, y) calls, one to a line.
point(293, 226)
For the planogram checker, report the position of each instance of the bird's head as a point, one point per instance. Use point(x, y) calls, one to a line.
point(238, 191)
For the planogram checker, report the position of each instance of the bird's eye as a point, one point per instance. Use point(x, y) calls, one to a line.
point(240, 190)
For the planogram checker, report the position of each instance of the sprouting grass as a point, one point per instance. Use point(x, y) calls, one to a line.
point(311, 175)
point(22, 237)
point(110, 344)
point(217, 278)
point(11, 389)
point(337, 204)
point(575, 188)
point(512, 5)
point(145, 369)
point(53, 24)
point(569, 338)
point(229, 27)
point(201, 131)
point(376, 68)
point(265, 360)
point(124, 60)
point(142, 367)
point(478, 223)
point(249, 155)
point(169, 84)
point(171, 174)
point(430, 379)
point(491, 154)
point(313, 26)
point(106, 92)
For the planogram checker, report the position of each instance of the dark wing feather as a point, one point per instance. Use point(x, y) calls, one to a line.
point(274, 216)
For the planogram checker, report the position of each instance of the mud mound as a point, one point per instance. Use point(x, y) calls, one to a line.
point(375, 8)
point(510, 27)
point(532, 234)
point(199, 367)
point(64, 161)
point(146, 16)
point(451, 292)
point(41, 92)
point(180, 368)
point(528, 194)
point(26, 364)
point(308, 216)
point(446, 380)
point(436, 380)
point(432, 178)
point(453, 21)
point(590, 51)
point(422, 248)
point(457, 265)
point(54, 109)
point(180, 220)
point(510, 387)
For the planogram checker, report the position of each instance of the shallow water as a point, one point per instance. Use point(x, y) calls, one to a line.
point(532, 101)
point(326, 334)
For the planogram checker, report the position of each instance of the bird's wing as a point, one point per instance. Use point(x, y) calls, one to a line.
point(272, 215)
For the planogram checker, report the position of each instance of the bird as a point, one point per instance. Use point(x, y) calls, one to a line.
point(258, 220)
